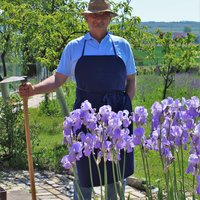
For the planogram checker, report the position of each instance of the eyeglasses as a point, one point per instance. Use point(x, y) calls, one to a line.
point(103, 15)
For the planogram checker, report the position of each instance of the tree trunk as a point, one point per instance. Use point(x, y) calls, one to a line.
point(4, 91)
point(165, 87)
point(4, 63)
point(62, 101)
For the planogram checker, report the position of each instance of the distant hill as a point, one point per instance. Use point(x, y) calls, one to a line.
point(173, 26)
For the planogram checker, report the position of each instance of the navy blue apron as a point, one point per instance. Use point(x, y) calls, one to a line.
point(101, 80)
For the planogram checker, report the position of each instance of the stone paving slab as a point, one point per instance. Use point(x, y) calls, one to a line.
point(18, 195)
point(49, 186)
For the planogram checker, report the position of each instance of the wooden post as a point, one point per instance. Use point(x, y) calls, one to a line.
point(3, 194)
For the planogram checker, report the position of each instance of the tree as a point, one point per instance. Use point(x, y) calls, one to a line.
point(177, 55)
point(41, 29)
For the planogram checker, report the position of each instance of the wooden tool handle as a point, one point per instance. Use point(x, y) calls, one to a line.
point(28, 147)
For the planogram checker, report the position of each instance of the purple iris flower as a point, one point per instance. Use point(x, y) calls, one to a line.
point(176, 132)
point(138, 134)
point(104, 113)
point(185, 137)
point(90, 121)
point(119, 144)
point(156, 109)
point(197, 130)
point(173, 122)
point(86, 106)
point(129, 145)
point(114, 122)
point(193, 162)
point(68, 123)
point(89, 140)
point(124, 117)
point(76, 151)
point(192, 106)
point(116, 133)
point(193, 102)
point(157, 115)
point(66, 163)
point(189, 124)
point(184, 115)
point(167, 102)
point(140, 115)
point(107, 145)
point(155, 134)
point(77, 125)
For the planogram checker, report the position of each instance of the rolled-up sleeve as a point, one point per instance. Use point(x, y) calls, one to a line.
point(64, 66)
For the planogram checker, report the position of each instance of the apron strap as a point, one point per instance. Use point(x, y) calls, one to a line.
point(83, 51)
point(113, 47)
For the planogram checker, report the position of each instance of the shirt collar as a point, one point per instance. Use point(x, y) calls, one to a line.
point(89, 37)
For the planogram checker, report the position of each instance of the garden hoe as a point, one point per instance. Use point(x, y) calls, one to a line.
point(23, 79)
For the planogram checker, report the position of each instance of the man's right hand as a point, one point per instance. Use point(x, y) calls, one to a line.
point(26, 90)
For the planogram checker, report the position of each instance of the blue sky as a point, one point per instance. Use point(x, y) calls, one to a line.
point(166, 10)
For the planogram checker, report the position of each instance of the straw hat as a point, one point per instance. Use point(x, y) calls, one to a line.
point(99, 6)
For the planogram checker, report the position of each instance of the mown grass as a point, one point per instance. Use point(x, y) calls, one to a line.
point(48, 150)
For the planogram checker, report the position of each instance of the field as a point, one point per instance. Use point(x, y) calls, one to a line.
point(173, 26)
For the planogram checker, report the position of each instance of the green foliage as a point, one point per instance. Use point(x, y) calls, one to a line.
point(50, 159)
point(12, 136)
point(126, 25)
point(70, 91)
point(49, 107)
point(38, 30)
point(146, 70)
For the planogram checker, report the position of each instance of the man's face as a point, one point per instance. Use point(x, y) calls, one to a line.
point(98, 21)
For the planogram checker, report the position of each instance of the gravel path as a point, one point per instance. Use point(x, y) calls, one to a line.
point(35, 100)
point(49, 186)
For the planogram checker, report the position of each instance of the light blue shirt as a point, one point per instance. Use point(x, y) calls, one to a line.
point(73, 51)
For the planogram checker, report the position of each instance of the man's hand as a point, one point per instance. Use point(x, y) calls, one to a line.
point(26, 90)
point(131, 85)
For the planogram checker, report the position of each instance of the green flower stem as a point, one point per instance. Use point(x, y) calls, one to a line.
point(91, 179)
point(119, 179)
point(145, 171)
point(122, 179)
point(118, 171)
point(175, 180)
point(115, 183)
point(179, 166)
point(105, 180)
point(148, 175)
point(182, 175)
point(161, 158)
point(99, 173)
point(173, 194)
point(193, 187)
point(124, 164)
point(80, 196)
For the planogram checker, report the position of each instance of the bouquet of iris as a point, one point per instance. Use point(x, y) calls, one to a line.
point(175, 128)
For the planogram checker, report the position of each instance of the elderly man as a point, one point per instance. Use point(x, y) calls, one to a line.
point(104, 70)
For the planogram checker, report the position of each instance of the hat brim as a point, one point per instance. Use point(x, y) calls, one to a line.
point(101, 11)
